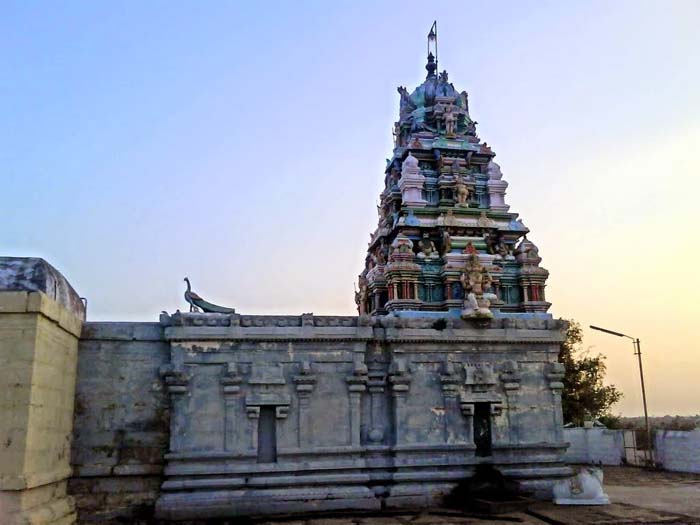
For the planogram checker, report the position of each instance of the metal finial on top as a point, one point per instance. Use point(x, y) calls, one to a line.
point(432, 57)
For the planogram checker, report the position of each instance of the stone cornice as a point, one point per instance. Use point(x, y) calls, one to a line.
point(20, 302)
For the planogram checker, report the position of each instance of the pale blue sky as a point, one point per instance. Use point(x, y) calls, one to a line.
point(243, 144)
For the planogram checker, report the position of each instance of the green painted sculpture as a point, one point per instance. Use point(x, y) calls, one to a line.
point(198, 304)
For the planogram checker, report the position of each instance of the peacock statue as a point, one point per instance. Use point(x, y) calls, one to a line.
point(198, 304)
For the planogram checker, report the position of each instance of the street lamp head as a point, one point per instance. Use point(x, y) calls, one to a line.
point(618, 334)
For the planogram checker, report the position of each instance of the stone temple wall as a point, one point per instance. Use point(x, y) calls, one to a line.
point(218, 415)
point(121, 421)
point(305, 412)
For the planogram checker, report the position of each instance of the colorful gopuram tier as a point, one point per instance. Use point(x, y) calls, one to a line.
point(446, 240)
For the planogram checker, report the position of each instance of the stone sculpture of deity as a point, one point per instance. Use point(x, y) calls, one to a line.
point(446, 242)
point(450, 118)
point(461, 190)
point(476, 282)
point(427, 248)
point(361, 296)
point(397, 135)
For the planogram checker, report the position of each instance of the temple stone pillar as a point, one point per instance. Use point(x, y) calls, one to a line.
point(41, 318)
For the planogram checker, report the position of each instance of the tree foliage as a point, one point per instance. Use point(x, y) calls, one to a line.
point(585, 395)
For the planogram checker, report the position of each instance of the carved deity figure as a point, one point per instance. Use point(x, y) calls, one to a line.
point(403, 92)
point(450, 118)
point(465, 100)
point(361, 296)
point(446, 243)
point(427, 248)
point(476, 281)
point(401, 245)
point(484, 221)
point(397, 135)
point(406, 106)
point(461, 191)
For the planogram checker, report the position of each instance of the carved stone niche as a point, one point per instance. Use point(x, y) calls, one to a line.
point(267, 387)
point(479, 376)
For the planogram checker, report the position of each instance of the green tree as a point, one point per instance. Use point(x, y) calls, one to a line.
point(585, 395)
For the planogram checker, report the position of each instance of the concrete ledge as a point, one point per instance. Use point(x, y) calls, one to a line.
point(122, 331)
point(22, 302)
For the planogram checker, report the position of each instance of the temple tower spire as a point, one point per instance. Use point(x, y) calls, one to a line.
point(446, 240)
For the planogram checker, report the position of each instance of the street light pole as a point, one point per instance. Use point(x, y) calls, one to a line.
point(638, 352)
point(644, 400)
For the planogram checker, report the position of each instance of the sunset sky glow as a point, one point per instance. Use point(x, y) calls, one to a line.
point(243, 145)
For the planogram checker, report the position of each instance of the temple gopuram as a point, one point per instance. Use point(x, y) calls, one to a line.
point(446, 240)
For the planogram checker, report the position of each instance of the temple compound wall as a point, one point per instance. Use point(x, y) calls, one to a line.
point(206, 415)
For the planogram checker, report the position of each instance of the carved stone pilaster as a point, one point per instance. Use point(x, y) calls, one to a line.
point(176, 379)
point(451, 381)
point(305, 382)
point(399, 377)
point(400, 381)
point(357, 384)
point(231, 380)
point(177, 383)
point(231, 385)
point(511, 378)
point(376, 385)
point(455, 427)
point(554, 374)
